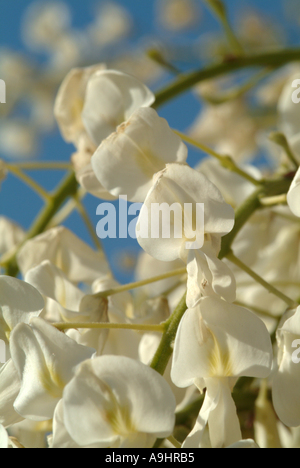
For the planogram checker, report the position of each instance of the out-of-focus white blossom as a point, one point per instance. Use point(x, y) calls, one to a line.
point(44, 23)
point(60, 246)
point(117, 402)
point(286, 381)
point(112, 23)
point(176, 15)
point(288, 107)
point(17, 139)
point(10, 235)
point(228, 128)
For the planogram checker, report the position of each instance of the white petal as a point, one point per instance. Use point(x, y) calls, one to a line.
point(45, 359)
point(126, 161)
point(18, 302)
point(86, 177)
point(9, 388)
point(207, 276)
point(111, 97)
point(194, 438)
point(65, 250)
point(3, 438)
point(70, 100)
point(179, 184)
point(115, 397)
point(293, 196)
point(217, 339)
point(223, 422)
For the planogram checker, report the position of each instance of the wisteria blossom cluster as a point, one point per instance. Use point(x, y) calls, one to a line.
point(202, 349)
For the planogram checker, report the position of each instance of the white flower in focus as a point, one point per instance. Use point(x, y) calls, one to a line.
point(117, 402)
point(216, 343)
point(127, 160)
point(19, 302)
point(45, 360)
point(286, 382)
point(293, 196)
point(111, 98)
point(90, 104)
point(75, 258)
point(181, 185)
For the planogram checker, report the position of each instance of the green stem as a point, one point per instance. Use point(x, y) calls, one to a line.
point(165, 349)
point(268, 189)
point(226, 161)
point(220, 11)
point(67, 188)
point(116, 326)
point(186, 81)
point(17, 172)
point(138, 284)
point(40, 165)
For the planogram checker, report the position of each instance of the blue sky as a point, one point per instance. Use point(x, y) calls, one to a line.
point(20, 203)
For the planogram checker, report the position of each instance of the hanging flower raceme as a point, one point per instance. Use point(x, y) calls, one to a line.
point(216, 343)
point(194, 219)
point(126, 161)
point(118, 402)
point(45, 360)
point(286, 382)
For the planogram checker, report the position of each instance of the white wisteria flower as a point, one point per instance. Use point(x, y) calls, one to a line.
point(111, 98)
point(90, 104)
point(293, 196)
point(179, 187)
point(216, 343)
point(60, 246)
point(19, 302)
point(69, 102)
point(286, 382)
point(118, 402)
point(127, 160)
point(10, 385)
point(65, 302)
point(45, 360)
